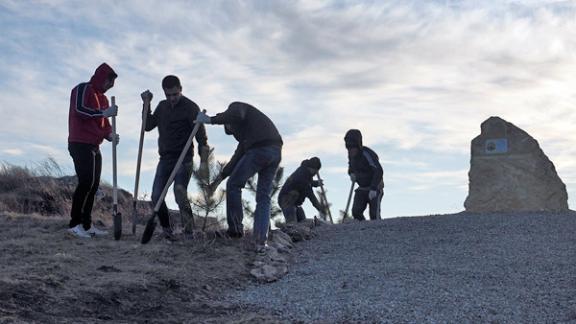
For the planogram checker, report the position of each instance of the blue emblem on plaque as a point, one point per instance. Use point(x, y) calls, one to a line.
point(496, 146)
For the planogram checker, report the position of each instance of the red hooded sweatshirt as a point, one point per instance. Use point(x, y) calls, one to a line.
point(86, 123)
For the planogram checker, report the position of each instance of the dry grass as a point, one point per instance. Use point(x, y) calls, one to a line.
point(43, 189)
point(36, 189)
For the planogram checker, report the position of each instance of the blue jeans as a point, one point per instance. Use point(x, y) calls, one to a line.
point(261, 160)
point(181, 180)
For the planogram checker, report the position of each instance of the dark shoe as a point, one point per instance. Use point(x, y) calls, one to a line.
point(168, 234)
point(233, 234)
point(261, 248)
point(189, 236)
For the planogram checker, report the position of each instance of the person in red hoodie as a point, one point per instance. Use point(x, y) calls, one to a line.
point(88, 126)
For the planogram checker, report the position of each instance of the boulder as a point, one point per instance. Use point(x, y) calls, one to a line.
point(510, 172)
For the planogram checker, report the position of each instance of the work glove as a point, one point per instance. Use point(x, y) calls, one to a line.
point(352, 177)
point(372, 194)
point(202, 118)
point(110, 111)
point(110, 137)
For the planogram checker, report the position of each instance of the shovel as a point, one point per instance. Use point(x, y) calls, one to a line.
point(326, 206)
point(138, 163)
point(116, 216)
point(349, 199)
point(151, 224)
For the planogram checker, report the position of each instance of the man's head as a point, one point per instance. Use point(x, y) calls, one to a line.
point(313, 164)
point(109, 82)
point(172, 89)
point(103, 78)
point(353, 141)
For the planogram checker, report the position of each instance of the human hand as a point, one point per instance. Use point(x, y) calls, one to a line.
point(110, 111)
point(215, 183)
point(110, 138)
point(372, 194)
point(202, 118)
point(146, 96)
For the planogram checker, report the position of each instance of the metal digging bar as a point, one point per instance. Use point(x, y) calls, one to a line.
point(151, 224)
point(349, 199)
point(116, 216)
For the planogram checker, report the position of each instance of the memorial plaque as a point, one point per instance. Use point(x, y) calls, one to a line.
point(496, 146)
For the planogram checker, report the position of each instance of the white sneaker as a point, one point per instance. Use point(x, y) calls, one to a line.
point(96, 232)
point(78, 231)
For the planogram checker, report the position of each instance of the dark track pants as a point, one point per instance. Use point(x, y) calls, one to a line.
point(88, 166)
point(293, 214)
point(361, 201)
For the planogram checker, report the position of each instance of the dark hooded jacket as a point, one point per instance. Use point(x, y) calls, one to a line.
point(250, 127)
point(301, 182)
point(86, 124)
point(365, 165)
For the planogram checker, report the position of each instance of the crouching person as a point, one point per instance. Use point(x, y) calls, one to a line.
point(364, 169)
point(297, 188)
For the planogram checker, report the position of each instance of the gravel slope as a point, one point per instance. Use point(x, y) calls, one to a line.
point(460, 268)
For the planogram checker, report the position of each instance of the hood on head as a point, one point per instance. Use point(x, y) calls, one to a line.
point(313, 163)
point(353, 138)
point(102, 73)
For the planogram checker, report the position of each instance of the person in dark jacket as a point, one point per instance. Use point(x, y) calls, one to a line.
point(174, 119)
point(297, 188)
point(88, 126)
point(364, 169)
point(259, 151)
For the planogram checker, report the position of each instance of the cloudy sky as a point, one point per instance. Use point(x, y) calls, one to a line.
point(417, 77)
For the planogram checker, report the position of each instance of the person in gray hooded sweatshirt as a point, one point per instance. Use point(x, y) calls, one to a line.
point(364, 169)
point(259, 151)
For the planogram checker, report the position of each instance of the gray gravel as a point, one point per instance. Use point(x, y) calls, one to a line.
point(460, 268)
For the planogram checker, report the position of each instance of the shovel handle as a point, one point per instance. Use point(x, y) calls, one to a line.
point(114, 175)
point(138, 164)
point(349, 199)
point(177, 166)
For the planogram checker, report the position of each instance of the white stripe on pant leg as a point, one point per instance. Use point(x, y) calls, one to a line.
point(379, 202)
point(92, 184)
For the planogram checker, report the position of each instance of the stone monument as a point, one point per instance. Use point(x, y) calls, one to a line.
point(509, 172)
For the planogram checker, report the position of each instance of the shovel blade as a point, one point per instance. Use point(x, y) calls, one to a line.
point(149, 230)
point(117, 226)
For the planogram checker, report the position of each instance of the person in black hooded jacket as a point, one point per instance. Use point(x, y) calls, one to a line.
point(364, 169)
point(297, 188)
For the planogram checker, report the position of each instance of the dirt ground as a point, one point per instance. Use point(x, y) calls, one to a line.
point(47, 276)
